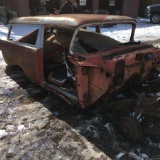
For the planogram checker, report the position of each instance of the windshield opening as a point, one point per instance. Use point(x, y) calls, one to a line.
point(88, 40)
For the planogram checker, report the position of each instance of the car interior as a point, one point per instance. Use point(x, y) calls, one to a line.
point(56, 48)
point(57, 68)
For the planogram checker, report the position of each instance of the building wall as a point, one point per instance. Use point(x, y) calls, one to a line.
point(127, 8)
point(62, 2)
point(95, 5)
point(130, 8)
point(21, 6)
point(156, 1)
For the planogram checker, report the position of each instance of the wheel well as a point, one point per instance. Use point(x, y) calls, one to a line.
point(16, 67)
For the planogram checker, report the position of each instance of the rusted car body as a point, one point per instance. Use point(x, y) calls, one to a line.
point(78, 65)
point(81, 65)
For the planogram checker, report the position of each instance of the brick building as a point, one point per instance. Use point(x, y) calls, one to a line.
point(121, 7)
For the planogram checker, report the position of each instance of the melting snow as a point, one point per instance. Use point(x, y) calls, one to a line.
point(3, 134)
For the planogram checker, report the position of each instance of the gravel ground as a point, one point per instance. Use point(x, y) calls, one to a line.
point(32, 125)
point(37, 125)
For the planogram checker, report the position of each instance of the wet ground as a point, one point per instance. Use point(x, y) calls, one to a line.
point(36, 124)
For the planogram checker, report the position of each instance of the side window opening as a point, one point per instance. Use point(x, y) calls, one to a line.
point(24, 34)
point(30, 38)
point(56, 40)
point(55, 49)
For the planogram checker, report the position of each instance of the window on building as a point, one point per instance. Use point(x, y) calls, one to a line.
point(82, 2)
point(112, 3)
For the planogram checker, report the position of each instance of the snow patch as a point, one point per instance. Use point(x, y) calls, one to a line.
point(21, 128)
point(3, 134)
point(7, 92)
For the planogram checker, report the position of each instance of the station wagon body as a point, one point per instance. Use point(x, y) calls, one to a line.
point(79, 65)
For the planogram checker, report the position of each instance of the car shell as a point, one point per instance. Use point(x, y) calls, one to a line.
point(88, 76)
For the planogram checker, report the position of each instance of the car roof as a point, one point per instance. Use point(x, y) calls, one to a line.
point(71, 20)
point(154, 5)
